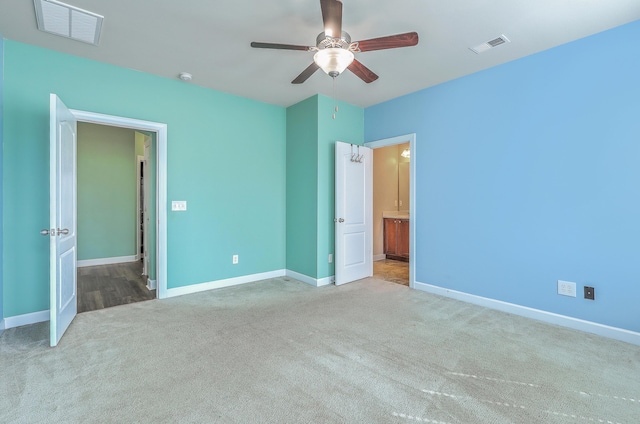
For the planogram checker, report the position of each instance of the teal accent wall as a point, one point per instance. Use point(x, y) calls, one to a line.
point(226, 158)
point(106, 192)
point(311, 136)
point(528, 173)
point(302, 182)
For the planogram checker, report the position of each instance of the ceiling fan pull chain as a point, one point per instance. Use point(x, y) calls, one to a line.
point(334, 99)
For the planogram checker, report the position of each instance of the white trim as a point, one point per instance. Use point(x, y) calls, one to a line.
point(310, 280)
point(211, 285)
point(151, 284)
point(106, 261)
point(537, 314)
point(411, 138)
point(161, 184)
point(379, 257)
point(26, 319)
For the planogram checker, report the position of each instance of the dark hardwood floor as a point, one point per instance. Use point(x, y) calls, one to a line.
point(104, 286)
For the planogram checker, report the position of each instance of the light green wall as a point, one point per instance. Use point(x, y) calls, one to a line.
point(139, 143)
point(226, 158)
point(106, 192)
point(302, 181)
point(311, 136)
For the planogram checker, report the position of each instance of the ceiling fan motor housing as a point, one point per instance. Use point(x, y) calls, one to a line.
point(325, 42)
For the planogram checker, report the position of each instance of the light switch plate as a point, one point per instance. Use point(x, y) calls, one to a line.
point(179, 205)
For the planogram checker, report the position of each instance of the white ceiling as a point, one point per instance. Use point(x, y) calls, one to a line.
point(210, 39)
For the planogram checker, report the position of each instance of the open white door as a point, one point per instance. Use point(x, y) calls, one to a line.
point(354, 212)
point(62, 215)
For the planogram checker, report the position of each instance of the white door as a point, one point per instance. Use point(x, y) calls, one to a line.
point(354, 206)
point(62, 218)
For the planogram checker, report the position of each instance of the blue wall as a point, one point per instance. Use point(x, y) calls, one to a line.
point(529, 172)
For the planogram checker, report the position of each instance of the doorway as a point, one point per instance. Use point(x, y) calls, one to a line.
point(393, 209)
point(155, 171)
point(112, 215)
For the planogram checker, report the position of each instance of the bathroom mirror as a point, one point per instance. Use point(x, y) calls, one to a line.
point(391, 177)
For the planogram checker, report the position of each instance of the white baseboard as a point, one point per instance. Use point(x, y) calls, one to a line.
point(26, 319)
point(310, 280)
point(152, 284)
point(211, 285)
point(106, 261)
point(379, 257)
point(537, 314)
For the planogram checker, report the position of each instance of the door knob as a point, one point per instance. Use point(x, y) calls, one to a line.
point(338, 220)
point(45, 232)
point(64, 231)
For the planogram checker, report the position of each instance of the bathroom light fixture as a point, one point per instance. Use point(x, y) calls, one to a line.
point(406, 153)
point(333, 60)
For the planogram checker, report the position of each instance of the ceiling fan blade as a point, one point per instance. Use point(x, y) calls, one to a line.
point(362, 72)
point(332, 17)
point(306, 74)
point(389, 42)
point(279, 46)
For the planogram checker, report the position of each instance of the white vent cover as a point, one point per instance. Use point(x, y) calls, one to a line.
point(490, 44)
point(68, 21)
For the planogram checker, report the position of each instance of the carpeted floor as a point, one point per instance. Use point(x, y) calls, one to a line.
point(281, 351)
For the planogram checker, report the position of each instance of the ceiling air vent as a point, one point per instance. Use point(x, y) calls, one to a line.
point(490, 44)
point(68, 21)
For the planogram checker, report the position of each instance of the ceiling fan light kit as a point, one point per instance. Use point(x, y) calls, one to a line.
point(334, 54)
point(333, 61)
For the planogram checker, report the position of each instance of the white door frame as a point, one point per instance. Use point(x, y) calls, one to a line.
point(411, 138)
point(161, 185)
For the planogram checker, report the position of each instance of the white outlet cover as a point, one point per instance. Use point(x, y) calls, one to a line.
point(566, 288)
point(179, 205)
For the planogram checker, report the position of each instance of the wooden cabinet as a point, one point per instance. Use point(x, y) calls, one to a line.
point(396, 238)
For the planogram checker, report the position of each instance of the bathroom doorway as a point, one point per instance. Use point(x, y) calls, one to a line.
point(392, 206)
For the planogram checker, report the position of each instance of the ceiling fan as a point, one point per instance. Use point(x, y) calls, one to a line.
point(334, 51)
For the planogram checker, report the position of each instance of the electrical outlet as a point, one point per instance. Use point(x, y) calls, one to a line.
point(330, 257)
point(179, 205)
point(589, 293)
point(234, 259)
point(566, 288)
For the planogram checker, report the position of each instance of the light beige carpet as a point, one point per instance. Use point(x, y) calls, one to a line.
point(280, 351)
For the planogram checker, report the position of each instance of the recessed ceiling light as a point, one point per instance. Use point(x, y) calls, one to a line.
point(68, 21)
point(490, 44)
point(185, 76)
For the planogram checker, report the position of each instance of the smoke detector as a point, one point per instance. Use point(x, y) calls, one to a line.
point(185, 76)
point(502, 39)
point(68, 21)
